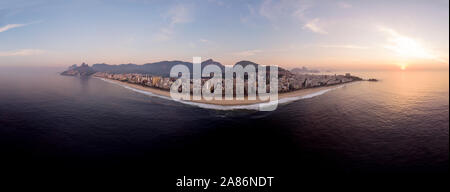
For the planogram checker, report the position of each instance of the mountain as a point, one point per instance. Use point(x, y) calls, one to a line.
point(281, 71)
point(212, 62)
point(161, 68)
point(245, 63)
point(82, 70)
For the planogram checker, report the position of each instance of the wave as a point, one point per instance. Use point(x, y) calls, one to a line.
point(228, 107)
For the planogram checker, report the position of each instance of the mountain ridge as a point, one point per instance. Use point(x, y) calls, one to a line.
point(160, 68)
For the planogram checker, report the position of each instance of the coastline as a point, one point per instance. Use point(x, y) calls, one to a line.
point(227, 104)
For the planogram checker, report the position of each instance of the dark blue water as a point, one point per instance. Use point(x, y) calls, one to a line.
point(400, 124)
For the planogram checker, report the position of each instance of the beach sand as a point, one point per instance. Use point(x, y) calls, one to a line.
point(223, 102)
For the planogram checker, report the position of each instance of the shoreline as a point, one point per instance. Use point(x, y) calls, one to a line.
point(228, 104)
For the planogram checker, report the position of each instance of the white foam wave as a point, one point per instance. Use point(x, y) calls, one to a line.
point(228, 107)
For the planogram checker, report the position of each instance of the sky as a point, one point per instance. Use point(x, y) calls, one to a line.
point(363, 34)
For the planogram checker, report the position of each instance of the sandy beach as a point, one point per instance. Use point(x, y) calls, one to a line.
point(223, 102)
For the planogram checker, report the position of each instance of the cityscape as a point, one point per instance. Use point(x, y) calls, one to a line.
point(287, 80)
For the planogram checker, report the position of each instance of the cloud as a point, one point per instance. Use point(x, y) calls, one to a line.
point(344, 5)
point(276, 10)
point(252, 14)
point(205, 41)
point(314, 26)
point(408, 47)
point(217, 2)
point(344, 46)
point(248, 52)
point(269, 10)
point(280, 11)
point(164, 34)
point(10, 26)
point(178, 14)
point(300, 13)
point(21, 52)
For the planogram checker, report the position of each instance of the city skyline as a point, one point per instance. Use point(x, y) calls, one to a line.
point(316, 34)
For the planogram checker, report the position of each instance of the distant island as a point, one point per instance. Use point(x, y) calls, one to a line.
point(154, 77)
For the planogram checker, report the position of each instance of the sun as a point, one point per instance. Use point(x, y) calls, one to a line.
point(403, 67)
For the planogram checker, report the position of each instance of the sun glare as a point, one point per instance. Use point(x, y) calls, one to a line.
point(403, 67)
point(410, 48)
point(407, 47)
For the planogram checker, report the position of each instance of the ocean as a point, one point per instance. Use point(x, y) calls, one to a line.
point(399, 124)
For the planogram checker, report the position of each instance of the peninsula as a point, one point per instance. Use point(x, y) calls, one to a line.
point(154, 78)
